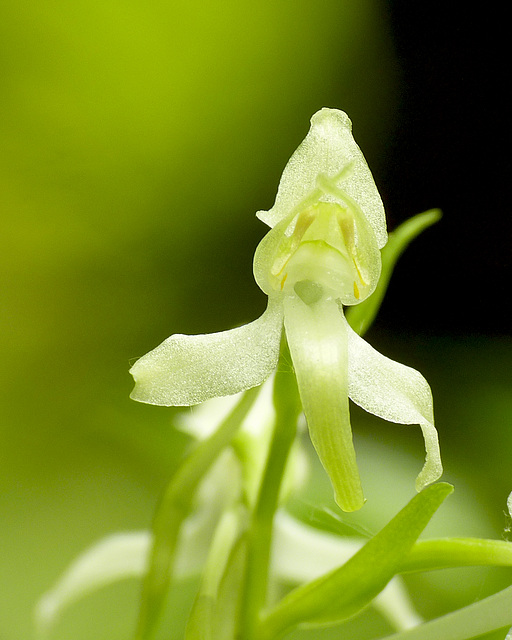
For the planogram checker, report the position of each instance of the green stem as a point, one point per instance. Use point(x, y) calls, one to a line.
point(446, 553)
point(287, 407)
point(175, 506)
point(201, 622)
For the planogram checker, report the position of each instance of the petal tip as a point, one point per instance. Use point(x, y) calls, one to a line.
point(428, 476)
point(327, 115)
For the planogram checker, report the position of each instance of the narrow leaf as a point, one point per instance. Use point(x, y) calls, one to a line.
point(345, 591)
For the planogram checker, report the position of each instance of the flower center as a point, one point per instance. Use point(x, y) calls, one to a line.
point(318, 256)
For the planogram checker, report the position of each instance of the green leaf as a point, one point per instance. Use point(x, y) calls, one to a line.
point(345, 591)
point(361, 316)
point(490, 614)
point(175, 507)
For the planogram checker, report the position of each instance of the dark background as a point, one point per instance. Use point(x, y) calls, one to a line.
point(451, 149)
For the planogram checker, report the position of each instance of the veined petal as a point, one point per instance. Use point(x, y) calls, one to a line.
point(186, 370)
point(396, 393)
point(317, 338)
point(328, 150)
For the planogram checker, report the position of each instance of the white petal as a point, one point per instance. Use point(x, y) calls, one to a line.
point(186, 370)
point(301, 554)
point(328, 149)
point(396, 393)
point(123, 555)
point(204, 419)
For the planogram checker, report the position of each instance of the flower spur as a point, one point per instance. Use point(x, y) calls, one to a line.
point(322, 253)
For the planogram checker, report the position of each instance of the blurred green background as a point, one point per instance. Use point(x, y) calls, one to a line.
point(138, 139)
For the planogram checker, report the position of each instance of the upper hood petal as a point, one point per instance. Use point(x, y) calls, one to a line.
point(328, 150)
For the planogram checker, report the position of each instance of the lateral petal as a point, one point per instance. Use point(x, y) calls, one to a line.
point(397, 393)
point(186, 370)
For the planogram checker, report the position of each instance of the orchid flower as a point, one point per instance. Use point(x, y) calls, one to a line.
point(321, 254)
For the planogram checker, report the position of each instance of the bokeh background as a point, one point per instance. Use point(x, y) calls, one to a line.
point(137, 140)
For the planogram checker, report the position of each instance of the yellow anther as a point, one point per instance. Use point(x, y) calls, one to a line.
point(359, 273)
point(356, 290)
point(283, 281)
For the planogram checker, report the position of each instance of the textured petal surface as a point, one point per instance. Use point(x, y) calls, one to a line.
point(186, 370)
point(328, 149)
point(396, 393)
point(317, 338)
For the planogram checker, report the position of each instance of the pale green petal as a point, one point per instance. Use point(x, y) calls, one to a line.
point(329, 149)
point(120, 556)
point(317, 338)
point(396, 393)
point(219, 490)
point(203, 419)
point(186, 370)
point(301, 554)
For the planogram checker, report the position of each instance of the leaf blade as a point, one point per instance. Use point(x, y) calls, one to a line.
point(341, 593)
